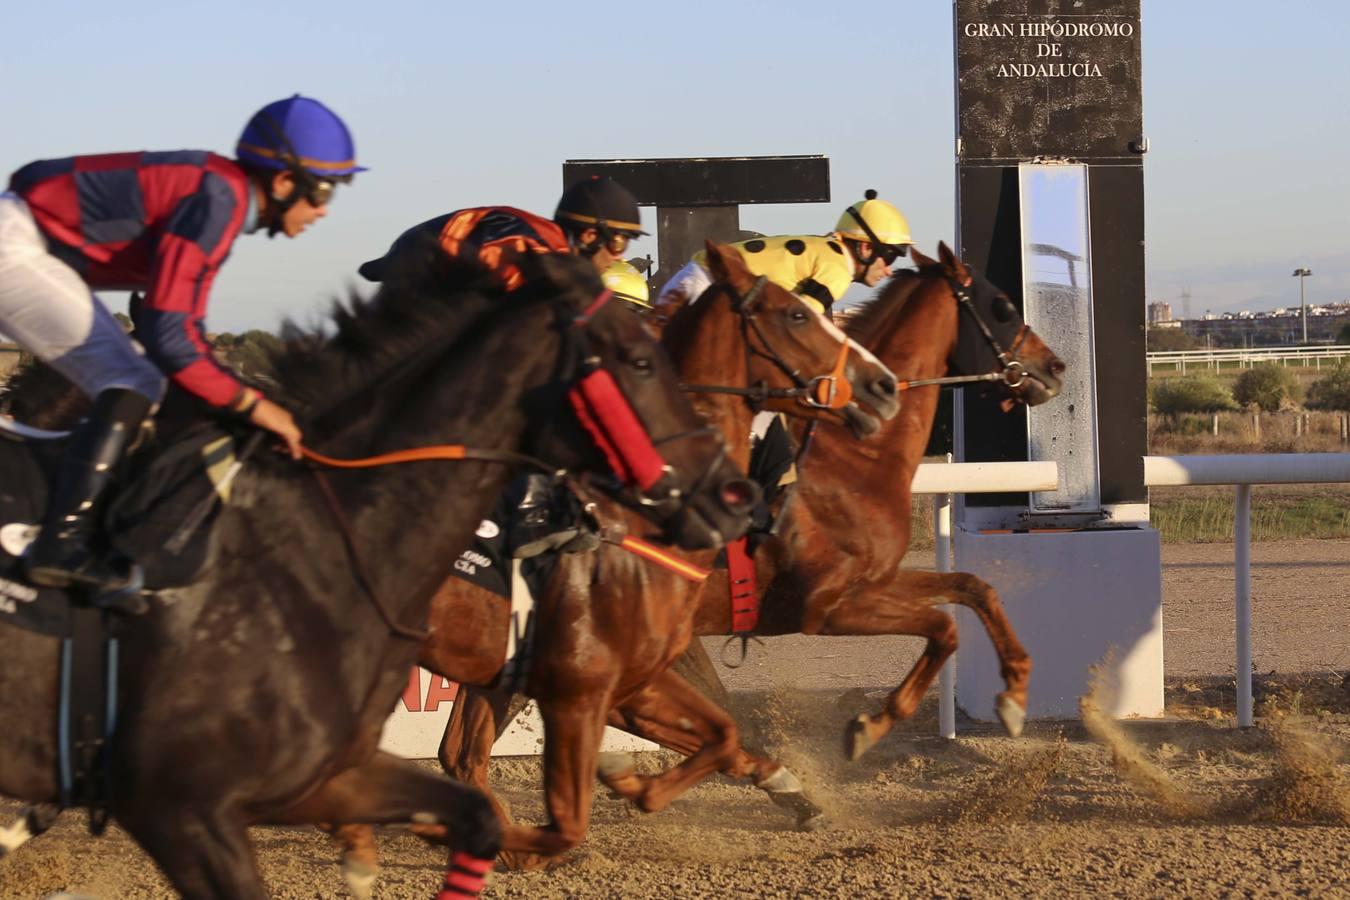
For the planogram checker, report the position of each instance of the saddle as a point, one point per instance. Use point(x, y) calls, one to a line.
point(164, 486)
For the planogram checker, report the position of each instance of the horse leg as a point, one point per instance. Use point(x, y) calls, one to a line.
point(906, 607)
point(668, 698)
point(34, 821)
point(205, 853)
point(360, 857)
point(387, 790)
point(572, 734)
point(769, 775)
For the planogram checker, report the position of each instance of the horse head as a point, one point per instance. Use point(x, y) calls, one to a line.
point(803, 363)
point(632, 417)
point(949, 306)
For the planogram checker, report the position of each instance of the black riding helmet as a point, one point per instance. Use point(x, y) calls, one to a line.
point(601, 203)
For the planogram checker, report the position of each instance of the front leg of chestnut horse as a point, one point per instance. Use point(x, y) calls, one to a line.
point(668, 698)
point(573, 729)
point(769, 775)
point(906, 606)
point(476, 721)
point(388, 790)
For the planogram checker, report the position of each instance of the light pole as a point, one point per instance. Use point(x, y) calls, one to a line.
point(1301, 274)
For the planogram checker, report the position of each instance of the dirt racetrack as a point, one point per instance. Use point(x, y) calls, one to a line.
point(1188, 806)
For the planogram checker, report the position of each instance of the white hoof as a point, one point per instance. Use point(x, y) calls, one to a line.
point(1011, 715)
point(360, 879)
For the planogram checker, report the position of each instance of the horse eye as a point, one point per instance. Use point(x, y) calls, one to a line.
point(1004, 310)
point(643, 364)
point(799, 317)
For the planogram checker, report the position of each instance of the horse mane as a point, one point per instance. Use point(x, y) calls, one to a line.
point(419, 313)
point(679, 332)
point(874, 314)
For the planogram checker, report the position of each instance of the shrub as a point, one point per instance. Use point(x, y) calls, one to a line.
point(1332, 391)
point(1269, 387)
point(1192, 394)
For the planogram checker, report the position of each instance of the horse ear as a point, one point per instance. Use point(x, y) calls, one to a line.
point(726, 264)
point(954, 266)
point(919, 259)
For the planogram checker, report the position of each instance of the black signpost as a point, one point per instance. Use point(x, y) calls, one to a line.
point(697, 199)
point(1051, 206)
point(1059, 80)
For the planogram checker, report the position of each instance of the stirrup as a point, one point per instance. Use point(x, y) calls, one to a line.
point(129, 599)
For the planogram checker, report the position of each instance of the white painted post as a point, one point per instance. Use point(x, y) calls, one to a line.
point(942, 547)
point(1242, 553)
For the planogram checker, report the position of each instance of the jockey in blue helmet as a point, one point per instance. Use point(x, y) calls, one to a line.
point(161, 223)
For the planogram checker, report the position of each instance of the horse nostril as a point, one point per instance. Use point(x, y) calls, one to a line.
point(739, 494)
point(1057, 367)
point(885, 387)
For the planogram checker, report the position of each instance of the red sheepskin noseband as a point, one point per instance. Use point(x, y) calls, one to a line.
point(606, 414)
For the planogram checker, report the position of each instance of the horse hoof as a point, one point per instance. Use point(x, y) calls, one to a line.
point(1011, 714)
point(614, 765)
point(818, 822)
point(856, 739)
point(360, 879)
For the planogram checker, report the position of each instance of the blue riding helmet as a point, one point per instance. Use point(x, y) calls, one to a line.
point(299, 132)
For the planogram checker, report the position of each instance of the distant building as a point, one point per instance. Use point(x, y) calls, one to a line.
point(1281, 327)
point(1159, 312)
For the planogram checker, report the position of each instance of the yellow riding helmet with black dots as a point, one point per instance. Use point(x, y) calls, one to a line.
point(627, 283)
point(874, 221)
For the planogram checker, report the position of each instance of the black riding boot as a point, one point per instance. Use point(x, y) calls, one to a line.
point(61, 556)
point(537, 527)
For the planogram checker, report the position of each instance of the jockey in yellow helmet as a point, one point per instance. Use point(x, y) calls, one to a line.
point(868, 238)
point(627, 283)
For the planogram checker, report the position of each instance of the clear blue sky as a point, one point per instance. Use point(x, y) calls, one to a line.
point(457, 104)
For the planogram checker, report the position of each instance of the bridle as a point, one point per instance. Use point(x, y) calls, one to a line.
point(1011, 371)
point(830, 391)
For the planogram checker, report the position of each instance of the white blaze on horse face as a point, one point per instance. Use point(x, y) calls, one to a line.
point(838, 333)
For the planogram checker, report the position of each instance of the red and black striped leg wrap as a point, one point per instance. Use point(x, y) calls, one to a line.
point(467, 876)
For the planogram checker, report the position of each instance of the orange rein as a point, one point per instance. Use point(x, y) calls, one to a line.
point(416, 454)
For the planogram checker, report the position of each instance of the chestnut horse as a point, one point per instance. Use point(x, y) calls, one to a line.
point(257, 694)
point(834, 568)
point(609, 622)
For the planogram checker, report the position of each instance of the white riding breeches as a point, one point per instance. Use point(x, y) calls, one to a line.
point(48, 309)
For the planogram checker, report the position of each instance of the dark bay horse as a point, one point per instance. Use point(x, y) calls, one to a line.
point(609, 623)
point(257, 694)
point(835, 568)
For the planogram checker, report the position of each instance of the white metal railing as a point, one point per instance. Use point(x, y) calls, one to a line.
point(1240, 470)
point(1247, 357)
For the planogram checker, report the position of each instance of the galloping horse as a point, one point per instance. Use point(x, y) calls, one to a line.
point(835, 567)
point(257, 694)
point(609, 623)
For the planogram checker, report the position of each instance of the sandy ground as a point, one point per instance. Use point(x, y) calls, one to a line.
point(1187, 806)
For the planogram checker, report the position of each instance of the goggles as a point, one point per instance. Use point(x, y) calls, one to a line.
point(889, 253)
point(321, 194)
point(616, 242)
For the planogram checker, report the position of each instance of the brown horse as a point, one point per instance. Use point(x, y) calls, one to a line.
point(835, 568)
point(609, 622)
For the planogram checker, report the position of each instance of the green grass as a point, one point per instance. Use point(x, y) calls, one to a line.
point(1279, 512)
point(1186, 515)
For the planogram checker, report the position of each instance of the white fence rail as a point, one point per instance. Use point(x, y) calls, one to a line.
point(1240, 470)
point(1313, 357)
